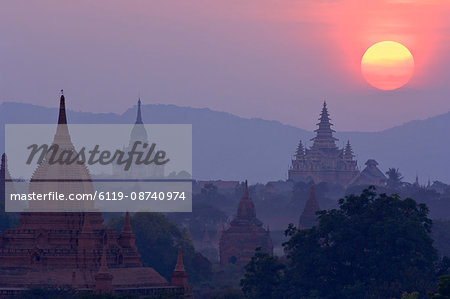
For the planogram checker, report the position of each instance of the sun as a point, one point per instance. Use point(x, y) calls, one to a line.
point(387, 65)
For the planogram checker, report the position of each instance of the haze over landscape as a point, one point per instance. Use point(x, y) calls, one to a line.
point(229, 147)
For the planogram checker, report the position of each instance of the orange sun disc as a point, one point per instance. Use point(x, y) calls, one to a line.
point(387, 65)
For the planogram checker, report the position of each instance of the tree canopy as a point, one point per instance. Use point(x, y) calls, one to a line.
point(158, 239)
point(372, 246)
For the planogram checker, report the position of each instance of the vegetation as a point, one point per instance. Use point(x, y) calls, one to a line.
point(395, 178)
point(263, 277)
point(158, 239)
point(372, 246)
point(443, 288)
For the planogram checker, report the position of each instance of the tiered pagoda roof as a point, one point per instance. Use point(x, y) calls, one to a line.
point(324, 161)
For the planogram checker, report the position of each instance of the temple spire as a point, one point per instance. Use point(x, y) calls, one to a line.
point(103, 278)
point(62, 136)
point(300, 152)
point(324, 116)
point(5, 188)
point(324, 134)
point(127, 237)
point(127, 224)
point(246, 189)
point(308, 218)
point(62, 119)
point(3, 167)
point(139, 116)
point(103, 263)
point(348, 151)
point(87, 228)
point(180, 265)
point(179, 275)
point(246, 209)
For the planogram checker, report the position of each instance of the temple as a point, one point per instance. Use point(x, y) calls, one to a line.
point(308, 218)
point(245, 233)
point(371, 175)
point(324, 161)
point(62, 249)
point(138, 133)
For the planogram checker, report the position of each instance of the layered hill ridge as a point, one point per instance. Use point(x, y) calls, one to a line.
point(229, 147)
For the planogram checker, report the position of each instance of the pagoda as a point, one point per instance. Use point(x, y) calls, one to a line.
point(324, 161)
point(138, 133)
point(72, 249)
point(308, 217)
point(245, 233)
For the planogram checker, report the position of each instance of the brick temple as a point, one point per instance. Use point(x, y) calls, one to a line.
point(244, 234)
point(76, 250)
point(324, 161)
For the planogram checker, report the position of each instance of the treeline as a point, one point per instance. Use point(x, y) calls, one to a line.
point(371, 246)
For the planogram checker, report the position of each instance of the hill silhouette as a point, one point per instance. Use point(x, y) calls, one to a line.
point(229, 147)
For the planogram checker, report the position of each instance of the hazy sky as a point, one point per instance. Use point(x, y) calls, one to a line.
point(274, 59)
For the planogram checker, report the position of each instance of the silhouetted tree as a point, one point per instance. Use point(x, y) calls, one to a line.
point(228, 294)
point(209, 191)
point(263, 276)
point(443, 288)
point(395, 178)
point(372, 246)
point(414, 295)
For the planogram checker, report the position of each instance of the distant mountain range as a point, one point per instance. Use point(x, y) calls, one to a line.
point(229, 147)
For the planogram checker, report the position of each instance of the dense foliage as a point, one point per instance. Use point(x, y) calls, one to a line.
point(263, 277)
point(372, 246)
point(443, 288)
point(158, 239)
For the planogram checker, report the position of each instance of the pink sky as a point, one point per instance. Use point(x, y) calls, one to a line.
point(270, 59)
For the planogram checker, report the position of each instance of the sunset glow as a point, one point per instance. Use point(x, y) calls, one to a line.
point(387, 65)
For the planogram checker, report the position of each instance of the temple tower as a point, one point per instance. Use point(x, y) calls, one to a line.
point(139, 133)
point(179, 275)
point(59, 249)
point(308, 217)
point(370, 176)
point(324, 134)
point(245, 233)
point(103, 278)
point(348, 152)
point(324, 161)
point(128, 247)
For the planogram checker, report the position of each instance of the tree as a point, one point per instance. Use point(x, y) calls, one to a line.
point(204, 216)
point(443, 288)
point(373, 246)
point(209, 191)
point(263, 276)
point(228, 294)
point(395, 178)
point(413, 295)
point(158, 239)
